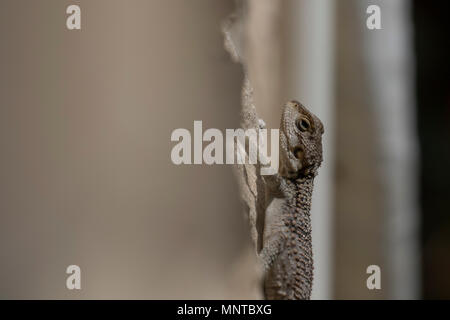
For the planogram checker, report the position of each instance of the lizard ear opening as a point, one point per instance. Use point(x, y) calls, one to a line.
point(298, 153)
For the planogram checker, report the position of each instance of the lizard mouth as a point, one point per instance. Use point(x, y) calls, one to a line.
point(306, 170)
point(303, 172)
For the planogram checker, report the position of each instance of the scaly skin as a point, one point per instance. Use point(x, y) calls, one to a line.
point(291, 274)
point(287, 251)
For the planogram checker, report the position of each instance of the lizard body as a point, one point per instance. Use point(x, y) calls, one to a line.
point(278, 206)
point(287, 250)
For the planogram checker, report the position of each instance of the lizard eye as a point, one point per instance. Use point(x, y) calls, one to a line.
point(303, 124)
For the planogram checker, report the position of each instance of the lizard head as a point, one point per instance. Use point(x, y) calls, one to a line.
point(300, 141)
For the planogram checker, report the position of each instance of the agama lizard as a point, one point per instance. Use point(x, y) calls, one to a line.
point(287, 249)
point(281, 203)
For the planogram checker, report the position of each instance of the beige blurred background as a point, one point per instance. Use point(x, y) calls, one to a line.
point(86, 177)
point(86, 118)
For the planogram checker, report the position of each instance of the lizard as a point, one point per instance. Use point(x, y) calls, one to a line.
point(278, 206)
point(287, 251)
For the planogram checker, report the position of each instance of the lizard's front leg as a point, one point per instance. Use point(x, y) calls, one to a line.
point(274, 240)
point(271, 251)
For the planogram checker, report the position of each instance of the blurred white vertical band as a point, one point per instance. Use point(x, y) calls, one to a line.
point(389, 58)
point(309, 78)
